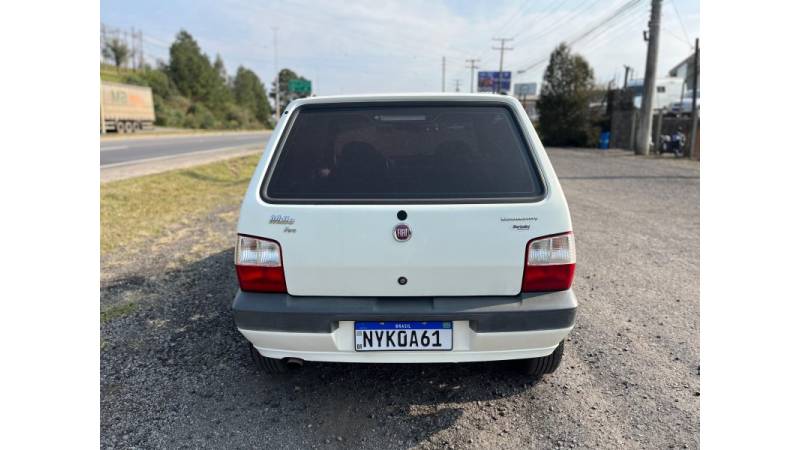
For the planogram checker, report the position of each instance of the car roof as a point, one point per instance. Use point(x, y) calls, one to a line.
point(407, 97)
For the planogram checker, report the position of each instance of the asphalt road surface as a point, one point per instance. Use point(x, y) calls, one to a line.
point(175, 372)
point(115, 152)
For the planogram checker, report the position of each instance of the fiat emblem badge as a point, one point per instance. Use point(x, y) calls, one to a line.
point(402, 232)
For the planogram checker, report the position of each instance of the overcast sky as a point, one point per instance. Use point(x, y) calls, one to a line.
point(393, 46)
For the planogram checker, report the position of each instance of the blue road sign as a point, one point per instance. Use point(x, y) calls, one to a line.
point(494, 81)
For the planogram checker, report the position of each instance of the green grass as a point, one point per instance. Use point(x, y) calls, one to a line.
point(110, 73)
point(138, 209)
point(116, 311)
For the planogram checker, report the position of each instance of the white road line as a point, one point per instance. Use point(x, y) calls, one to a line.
point(187, 141)
point(142, 138)
point(117, 147)
point(158, 158)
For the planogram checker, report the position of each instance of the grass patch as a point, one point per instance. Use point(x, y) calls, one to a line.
point(111, 73)
point(116, 311)
point(138, 209)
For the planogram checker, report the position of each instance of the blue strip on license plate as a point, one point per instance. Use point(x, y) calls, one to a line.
point(398, 336)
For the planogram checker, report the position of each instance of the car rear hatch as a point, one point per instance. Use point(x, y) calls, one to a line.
point(403, 200)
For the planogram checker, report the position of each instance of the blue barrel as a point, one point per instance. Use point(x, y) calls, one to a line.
point(605, 138)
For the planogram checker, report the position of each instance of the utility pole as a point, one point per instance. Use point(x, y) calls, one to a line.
point(102, 40)
point(646, 120)
point(627, 70)
point(695, 88)
point(133, 48)
point(141, 49)
point(472, 66)
point(458, 85)
point(277, 75)
point(443, 71)
point(502, 49)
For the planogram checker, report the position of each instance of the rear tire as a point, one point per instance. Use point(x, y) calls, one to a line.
point(120, 126)
point(268, 365)
point(538, 367)
point(128, 127)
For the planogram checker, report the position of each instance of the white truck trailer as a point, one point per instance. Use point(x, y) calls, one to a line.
point(125, 108)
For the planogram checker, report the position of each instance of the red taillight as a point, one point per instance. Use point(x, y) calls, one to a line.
point(548, 278)
point(549, 263)
point(259, 265)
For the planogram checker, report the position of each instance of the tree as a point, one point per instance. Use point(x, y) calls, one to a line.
point(249, 92)
point(219, 67)
point(219, 87)
point(193, 75)
point(189, 68)
point(116, 49)
point(563, 106)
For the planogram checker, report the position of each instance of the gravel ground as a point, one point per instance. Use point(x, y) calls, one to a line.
point(175, 372)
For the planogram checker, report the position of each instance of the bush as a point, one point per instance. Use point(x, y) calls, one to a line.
point(201, 117)
point(190, 121)
point(172, 112)
point(156, 79)
point(240, 115)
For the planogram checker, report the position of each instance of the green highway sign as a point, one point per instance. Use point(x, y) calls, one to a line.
point(300, 86)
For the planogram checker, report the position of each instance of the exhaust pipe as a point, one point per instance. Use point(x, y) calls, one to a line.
point(294, 362)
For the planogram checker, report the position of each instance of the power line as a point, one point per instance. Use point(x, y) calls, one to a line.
point(380, 45)
point(617, 14)
point(522, 6)
point(549, 9)
point(633, 15)
point(156, 42)
point(554, 8)
point(573, 43)
point(675, 7)
point(584, 34)
point(677, 37)
point(558, 23)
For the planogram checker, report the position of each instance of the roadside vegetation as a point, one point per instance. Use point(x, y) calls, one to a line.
point(191, 91)
point(564, 103)
point(137, 209)
point(116, 311)
point(566, 117)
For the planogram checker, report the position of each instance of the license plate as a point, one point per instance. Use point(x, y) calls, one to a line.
point(399, 336)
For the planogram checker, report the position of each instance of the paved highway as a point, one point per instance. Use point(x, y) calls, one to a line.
point(119, 152)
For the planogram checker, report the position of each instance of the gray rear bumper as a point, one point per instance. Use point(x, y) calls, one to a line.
point(523, 312)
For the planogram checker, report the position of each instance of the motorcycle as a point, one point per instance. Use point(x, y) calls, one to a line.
point(674, 143)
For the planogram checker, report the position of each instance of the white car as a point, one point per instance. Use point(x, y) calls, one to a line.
point(405, 229)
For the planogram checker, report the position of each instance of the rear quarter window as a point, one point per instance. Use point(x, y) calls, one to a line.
point(402, 153)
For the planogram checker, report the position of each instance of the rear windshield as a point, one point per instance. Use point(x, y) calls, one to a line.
point(403, 153)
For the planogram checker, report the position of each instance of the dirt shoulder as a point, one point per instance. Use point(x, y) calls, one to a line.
point(175, 372)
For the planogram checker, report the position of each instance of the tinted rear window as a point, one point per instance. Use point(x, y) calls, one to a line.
point(403, 153)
